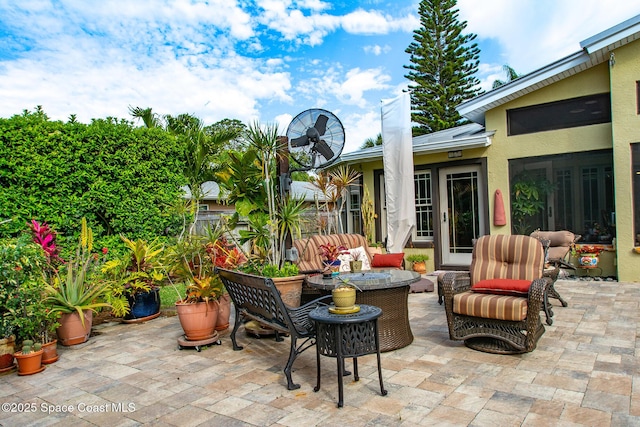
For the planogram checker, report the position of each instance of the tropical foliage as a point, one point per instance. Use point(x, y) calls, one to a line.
point(137, 271)
point(22, 310)
point(528, 198)
point(122, 179)
point(77, 287)
point(249, 182)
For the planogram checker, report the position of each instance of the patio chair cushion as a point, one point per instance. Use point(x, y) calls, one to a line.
point(489, 306)
point(559, 242)
point(309, 256)
point(506, 257)
point(513, 287)
point(388, 260)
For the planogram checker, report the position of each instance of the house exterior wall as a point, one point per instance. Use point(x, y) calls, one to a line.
point(626, 130)
point(504, 148)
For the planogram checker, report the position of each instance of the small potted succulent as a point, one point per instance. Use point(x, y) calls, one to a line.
point(29, 358)
point(344, 297)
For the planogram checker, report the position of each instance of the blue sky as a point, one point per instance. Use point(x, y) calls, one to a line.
point(264, 60)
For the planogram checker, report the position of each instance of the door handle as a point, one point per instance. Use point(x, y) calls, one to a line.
point(444, 217)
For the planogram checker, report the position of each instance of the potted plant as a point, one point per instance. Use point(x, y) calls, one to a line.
point(192, 261)
point(419, 262)
point(273, 215)
point(330, 253)
point(29, 358)
point(22, 311)
point(287, 279)
point(588, 255)
point(135, 280)
point(76, 292)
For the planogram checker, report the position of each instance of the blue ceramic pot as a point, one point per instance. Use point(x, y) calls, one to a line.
point(143, 304)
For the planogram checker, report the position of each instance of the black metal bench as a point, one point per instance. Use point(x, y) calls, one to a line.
point(256, 298)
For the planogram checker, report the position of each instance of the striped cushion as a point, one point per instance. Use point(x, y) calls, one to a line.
point(506, 257)
point(309, 255)
point(501, 307)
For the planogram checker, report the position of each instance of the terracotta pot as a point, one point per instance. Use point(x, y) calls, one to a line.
point(50, 352)
point(198, 320)
point(29, 363)
point(290, 289)
point(71, 331)
point(420, 267)
point(224, 312)
point(7, 348)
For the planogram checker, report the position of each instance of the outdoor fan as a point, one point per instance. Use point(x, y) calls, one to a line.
point(316, 139)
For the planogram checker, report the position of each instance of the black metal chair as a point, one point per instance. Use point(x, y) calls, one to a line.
point(256, 298)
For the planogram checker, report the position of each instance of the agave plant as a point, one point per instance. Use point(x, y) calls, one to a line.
point(76, 289)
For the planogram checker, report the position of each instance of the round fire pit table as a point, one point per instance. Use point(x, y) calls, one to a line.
point(387, 289)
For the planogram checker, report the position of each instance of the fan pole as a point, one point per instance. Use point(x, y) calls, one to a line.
point(284, 178)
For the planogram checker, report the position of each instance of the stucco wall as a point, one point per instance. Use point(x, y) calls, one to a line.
point(505, 148)
point(626, 130)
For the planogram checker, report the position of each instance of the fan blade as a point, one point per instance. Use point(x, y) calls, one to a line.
point(323, 148)
point(321, 124)
point(300, 141)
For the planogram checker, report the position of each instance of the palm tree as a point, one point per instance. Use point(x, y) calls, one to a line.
point(149, 118)
point(511, 75)
point(370, 142)
point(200, 148)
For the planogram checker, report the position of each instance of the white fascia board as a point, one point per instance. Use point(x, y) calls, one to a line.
point(612, 36)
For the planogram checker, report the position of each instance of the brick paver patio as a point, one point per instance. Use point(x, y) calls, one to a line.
point(585, 371)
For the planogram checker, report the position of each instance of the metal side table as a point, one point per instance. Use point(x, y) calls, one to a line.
point(347, 335)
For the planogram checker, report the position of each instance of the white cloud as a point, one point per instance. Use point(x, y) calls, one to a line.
point(359, 127)
point(377, 49)
point(374, 22)
point(533, 34)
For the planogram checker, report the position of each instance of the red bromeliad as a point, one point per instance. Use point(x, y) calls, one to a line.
point(44, 236)
point(330, 252)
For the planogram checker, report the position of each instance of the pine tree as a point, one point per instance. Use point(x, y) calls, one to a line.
point(443, 66)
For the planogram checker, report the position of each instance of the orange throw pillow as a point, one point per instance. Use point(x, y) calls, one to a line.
point(513, 287)
point(387, 260)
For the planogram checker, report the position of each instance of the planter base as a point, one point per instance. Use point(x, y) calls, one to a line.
point(32, 372)
point(8, 369)
point(50, 361)
point(198, 344)
point(141, 319)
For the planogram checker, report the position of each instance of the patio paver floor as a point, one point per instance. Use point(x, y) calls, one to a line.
point(585, 371)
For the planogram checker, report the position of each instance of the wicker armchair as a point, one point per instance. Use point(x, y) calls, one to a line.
point(560, 243)
point(495, 307)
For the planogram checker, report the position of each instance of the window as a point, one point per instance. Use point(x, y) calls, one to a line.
point(355, 215)
point(635, 170)
point(424, 206)
point(637, 97)
point(581, 198)
point(583, 111)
